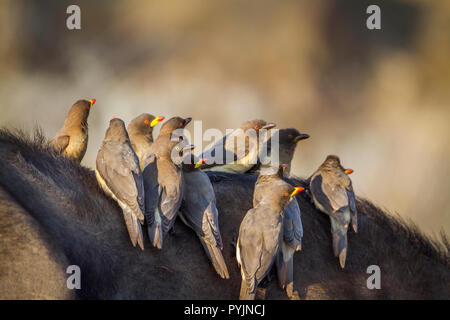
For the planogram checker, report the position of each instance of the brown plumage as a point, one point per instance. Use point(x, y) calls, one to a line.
point(140, 131)
point(332, 193)
point(260, 234)
point(292, 227)
point(120, 176)
point(71, 141)
point(163, 181)
point(199, 212)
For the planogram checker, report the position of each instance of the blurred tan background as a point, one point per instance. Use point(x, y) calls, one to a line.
point(378, 99)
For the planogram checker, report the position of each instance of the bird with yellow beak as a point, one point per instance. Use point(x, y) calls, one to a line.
point(140, 131)
point(72, 139)
point(199, 212)
point(332, 193)
point(261, 234)
point(292, 227)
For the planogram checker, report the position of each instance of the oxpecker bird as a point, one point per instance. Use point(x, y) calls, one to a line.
point(120, 176)
point(140, 131)
point(198, 211)
point(238, 151)
point(292, 227)
point(260, 236)
point(71, 141)
point(284, 142)
point(163, 180)
point(332, 193)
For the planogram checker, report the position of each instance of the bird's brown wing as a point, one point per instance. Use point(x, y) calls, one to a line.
point(170, 203)
point(119, 167)
point(328, 193)
point(60, 143)
point(250, 246)
point(258, 245)
point(170, 192)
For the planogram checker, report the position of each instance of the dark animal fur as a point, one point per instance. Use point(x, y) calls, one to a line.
point(53, 214)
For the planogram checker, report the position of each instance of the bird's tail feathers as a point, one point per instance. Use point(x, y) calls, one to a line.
point(155, 235)
point(281, 269)
point(246, 293)
point(340, 246)
point(138, 230)
point(215, 256)
point(128, 216)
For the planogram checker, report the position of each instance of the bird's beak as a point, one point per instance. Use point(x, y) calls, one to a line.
point(200, 162)
point(302, 136)
point(348, 171)
point(270, 125)
point(284, 166)
point(186, 121)
point(91, 103)
point(296, 191)
point(156, 121)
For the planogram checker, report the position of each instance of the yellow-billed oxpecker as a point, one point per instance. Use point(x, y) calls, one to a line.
point(287, 142)
point(119, 174)
point(332, 193)
point(72, 139)
point(140, 131)
point(292, 226)
point(163, 180)
point(260, 235)
point(199, 212)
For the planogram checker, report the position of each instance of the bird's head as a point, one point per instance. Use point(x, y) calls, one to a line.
point(143, 124)
point(173, 124)
point(291, 136)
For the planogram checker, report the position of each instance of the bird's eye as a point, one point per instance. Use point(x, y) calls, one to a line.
point(256, 127)
point(286, 194)
point(290, 136)
point(177, 148)
point(146, 121)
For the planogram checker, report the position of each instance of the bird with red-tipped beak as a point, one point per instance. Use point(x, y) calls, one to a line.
point(140, 131)
point(292, 226)
point(332, 193)
point(261, 235)
point(72, 139)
